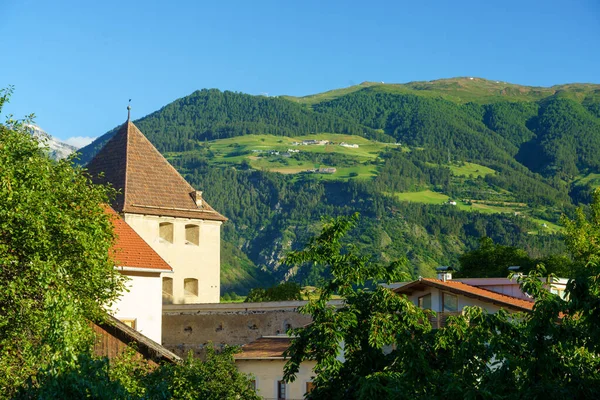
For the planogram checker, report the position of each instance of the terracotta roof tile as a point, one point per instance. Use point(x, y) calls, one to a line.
point(148, 184)
point(470, 291)
point(267, 347)
point(130, 250)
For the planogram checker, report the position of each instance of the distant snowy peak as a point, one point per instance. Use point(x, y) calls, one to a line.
point(58, 149)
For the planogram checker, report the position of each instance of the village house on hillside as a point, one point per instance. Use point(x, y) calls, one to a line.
point(166, 211)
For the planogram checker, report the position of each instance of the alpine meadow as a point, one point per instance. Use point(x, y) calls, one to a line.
point(432, 168)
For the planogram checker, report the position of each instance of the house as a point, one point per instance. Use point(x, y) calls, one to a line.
point(449, 297)
point(263, 359)
point(348, 145)
point(166, 211)
point(140, 306)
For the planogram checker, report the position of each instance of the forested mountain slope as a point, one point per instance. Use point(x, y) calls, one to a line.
point(448, 161)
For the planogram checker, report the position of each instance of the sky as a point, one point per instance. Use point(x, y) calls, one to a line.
point(75, 64)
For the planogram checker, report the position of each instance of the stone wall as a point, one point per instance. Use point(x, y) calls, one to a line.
point(191, 326)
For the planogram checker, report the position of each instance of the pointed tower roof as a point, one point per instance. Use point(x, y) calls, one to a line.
point(148, 184)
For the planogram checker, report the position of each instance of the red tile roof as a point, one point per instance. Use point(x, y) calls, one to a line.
point(266, 347)
point(148, 184)
point(131, 251)
point(469, 291)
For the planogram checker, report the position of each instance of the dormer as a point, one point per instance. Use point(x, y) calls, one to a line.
point(197, 197)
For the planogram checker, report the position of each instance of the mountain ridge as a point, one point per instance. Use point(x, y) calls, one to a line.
point(541, 144)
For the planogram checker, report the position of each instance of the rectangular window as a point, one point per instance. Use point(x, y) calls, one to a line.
point(280, 390)
point(165, 232)
point(192, 235)
point(449, 302)
point(167, 289)
point(425, 302)
point(190, 286)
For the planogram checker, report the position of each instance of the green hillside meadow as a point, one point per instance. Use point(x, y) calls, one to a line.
point(431, 166)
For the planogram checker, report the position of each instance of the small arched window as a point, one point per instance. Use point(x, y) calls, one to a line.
point(190, 286)
point(165, 232)
point(167, 289)
point(192, 235)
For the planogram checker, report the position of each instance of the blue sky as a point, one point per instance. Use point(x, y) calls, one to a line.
point(75, 64)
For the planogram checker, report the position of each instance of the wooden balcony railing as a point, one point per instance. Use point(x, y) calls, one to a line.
point(441, 318)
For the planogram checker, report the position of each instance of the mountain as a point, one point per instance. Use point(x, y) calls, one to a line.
point(438, 165)
point(57, 149)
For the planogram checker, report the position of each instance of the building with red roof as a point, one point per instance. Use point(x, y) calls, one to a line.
point(166, 212)
point(140, 307)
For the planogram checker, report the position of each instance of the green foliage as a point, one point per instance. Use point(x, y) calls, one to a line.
point(283, 292)
point(215, 378)
point(55, 269)
point(390, 350)
point(130, 377)
point(567, 140)
point(492, 260)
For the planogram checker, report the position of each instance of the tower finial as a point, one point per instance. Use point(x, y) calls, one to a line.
point(129, 111)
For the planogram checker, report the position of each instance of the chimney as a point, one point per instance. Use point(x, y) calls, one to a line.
point(197, 196)
point(444, 273)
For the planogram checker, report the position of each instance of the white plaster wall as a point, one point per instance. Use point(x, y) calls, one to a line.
point(143, 302)
point(202, 262)
point(268, 372)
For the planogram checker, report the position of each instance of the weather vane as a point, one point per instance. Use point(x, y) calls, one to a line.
point(129, 111)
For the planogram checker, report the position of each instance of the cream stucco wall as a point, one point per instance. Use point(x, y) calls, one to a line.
point(268, 372)
point(201, 262)
point(142, 303)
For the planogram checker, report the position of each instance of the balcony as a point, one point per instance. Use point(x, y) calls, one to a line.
point(441, 318)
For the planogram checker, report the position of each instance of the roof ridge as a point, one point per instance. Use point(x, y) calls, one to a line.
point(126, 161)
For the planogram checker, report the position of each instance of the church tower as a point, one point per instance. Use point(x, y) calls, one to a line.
point(166, 211)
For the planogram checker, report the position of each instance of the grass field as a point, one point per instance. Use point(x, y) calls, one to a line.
point(367, 149)
point(589, 178)
point(471, 169)
point(255, 150)
point(429, 197)
point(425, 196)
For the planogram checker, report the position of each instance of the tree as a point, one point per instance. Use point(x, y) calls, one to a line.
point(283, 292)
point(390, 350)
point(55, 269)
point(130, 377)
point(369, 320)
point(492, 260)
